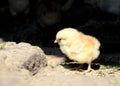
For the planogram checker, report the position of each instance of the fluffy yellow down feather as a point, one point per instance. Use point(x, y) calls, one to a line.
point(78, 46)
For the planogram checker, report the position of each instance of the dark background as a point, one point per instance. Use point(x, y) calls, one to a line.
point(82, 16)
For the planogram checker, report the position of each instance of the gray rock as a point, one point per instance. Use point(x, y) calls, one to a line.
point(22, 55)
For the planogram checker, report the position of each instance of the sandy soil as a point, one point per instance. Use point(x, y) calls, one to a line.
point(60, 75)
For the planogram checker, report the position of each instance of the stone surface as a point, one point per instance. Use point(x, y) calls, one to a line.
point(22, 55)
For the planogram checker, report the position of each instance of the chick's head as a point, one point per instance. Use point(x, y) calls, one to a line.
point(65, 34)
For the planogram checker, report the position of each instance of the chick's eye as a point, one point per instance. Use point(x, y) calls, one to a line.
point(60, 39)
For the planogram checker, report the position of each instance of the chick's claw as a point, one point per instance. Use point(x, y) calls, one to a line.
point(89, 69)
point(82, 69)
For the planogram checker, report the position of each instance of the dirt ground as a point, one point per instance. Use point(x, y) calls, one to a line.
point(59, 73)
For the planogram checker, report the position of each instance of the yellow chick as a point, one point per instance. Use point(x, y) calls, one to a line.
point(78, 46)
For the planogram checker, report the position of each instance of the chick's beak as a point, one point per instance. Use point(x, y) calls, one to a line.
point(55, 41)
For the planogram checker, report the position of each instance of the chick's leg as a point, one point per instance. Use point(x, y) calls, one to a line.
point(89, 69)
point(79, 68)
